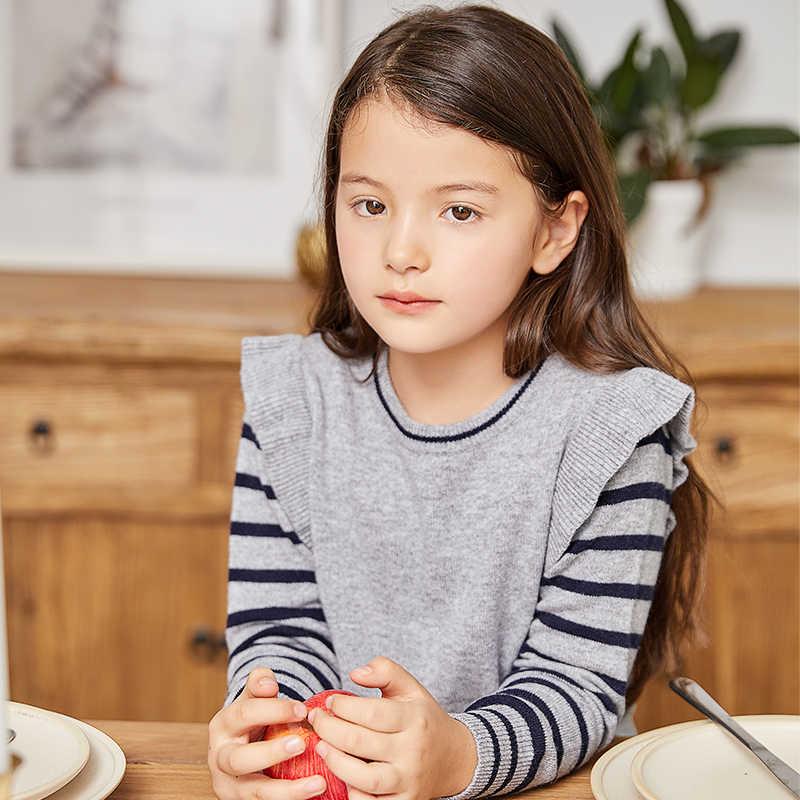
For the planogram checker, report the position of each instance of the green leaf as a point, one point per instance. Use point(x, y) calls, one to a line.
point(682, 27)
point(562, 40)
point(615, 126)
point(626, 76)
point(603, 92)
point(748, 136)
point(655, 81)
point(721, 46)
point(632, 193)
point(702, 78)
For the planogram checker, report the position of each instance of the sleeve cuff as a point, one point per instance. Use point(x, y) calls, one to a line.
point(487, 757)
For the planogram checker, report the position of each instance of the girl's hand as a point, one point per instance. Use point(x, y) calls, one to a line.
point(403, 744)
point(237, 755)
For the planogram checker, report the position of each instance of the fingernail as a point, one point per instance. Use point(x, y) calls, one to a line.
point(267, 684)
point(322, 749)
point(363, 671)
point(314, 786)
point(294, 744)
point(299, 710)
point(312, 715)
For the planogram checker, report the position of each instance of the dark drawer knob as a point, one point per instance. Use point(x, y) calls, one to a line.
point(42, 435)
point(207, 645)
point(725, 449)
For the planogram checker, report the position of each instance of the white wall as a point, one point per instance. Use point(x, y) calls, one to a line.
point(755, 220)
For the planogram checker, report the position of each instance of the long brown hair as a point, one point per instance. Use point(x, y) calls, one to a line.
point(484, 71)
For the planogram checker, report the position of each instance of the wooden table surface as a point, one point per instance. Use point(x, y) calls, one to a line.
point(167, 760)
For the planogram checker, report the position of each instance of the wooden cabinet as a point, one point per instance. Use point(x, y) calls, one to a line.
point(120, 414)
point(120, 417)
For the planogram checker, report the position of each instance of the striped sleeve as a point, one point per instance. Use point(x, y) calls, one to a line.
point(275, 617)
point(566, 692)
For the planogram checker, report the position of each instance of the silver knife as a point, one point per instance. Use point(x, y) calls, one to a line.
point(694, 694)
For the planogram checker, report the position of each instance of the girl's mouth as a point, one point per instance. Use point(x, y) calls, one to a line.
point(406, 302)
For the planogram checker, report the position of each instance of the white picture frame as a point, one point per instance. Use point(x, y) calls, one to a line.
point(177, 137)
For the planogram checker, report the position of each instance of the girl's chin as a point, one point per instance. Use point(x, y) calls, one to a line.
point(427, 349)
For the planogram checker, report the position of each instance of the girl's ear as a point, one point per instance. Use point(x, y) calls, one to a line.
point(559, 234)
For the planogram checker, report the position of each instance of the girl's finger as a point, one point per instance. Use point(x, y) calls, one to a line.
point(243, 759)
point(246, 715)
point(352, 739)
point(375, 777)
point(261, 682)
point(375, 713)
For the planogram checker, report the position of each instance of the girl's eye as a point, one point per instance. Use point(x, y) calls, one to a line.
point(370, 207)
point(461, 213)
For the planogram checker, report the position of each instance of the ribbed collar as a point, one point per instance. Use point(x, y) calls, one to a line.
point(450, 432)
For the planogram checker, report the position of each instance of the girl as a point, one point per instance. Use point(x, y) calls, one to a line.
point(454, 497)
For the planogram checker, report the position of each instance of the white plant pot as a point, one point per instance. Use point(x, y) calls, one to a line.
point(666, 243)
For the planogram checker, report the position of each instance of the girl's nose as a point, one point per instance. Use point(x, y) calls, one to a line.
point(406, 247)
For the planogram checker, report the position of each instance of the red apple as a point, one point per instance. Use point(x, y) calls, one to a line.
point(307, 763)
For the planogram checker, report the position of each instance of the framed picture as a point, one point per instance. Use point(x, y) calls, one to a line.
point(172, 136)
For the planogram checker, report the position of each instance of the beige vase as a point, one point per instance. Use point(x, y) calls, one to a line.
point(667, 242)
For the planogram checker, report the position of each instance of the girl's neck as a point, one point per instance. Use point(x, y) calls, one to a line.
point(435, 390)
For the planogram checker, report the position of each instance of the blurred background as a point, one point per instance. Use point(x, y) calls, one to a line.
point(183, 137)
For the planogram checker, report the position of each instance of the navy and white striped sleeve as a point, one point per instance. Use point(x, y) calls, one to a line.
point(275, 616)
point(566, 692)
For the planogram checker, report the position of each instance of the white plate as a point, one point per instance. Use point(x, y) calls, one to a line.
point(707, 763)
point(103, 770)
point(53, 750)
point(611, 774)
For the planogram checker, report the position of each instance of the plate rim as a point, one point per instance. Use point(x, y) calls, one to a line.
point(84, 750)
point(636, 765)
point(120, 759)
point(601, 765)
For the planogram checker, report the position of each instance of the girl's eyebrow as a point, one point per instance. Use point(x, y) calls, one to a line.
point(469, 186)
point(448, 188)
point(352, 177)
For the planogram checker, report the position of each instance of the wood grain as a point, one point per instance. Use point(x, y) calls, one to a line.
point(102, 614)
point(183, 743)
point(725, 332)
point(98, 435)
point(749, 440)
point(144, 319)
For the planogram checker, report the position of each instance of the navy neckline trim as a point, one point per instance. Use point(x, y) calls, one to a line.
point(464, 434)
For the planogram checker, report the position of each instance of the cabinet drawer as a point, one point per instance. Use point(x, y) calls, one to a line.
point(90, 435)
point(748, 447)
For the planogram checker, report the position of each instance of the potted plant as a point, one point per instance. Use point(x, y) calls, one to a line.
point(650, 108)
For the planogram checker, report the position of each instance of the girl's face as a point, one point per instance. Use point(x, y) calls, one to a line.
point(436, 231)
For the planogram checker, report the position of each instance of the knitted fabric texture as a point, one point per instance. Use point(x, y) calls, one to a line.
point(507, 561)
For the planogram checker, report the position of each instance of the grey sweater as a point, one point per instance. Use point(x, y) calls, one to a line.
point(506, 561)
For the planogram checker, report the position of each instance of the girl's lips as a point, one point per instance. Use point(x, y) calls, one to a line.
point(406, 302)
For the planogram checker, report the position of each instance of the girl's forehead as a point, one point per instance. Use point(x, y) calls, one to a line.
point(382, 117)
point(381, 106)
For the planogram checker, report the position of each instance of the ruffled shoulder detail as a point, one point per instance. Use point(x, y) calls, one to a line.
point(274, 384)
point(620, 410)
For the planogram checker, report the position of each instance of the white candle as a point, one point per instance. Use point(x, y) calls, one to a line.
point(5, 760)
